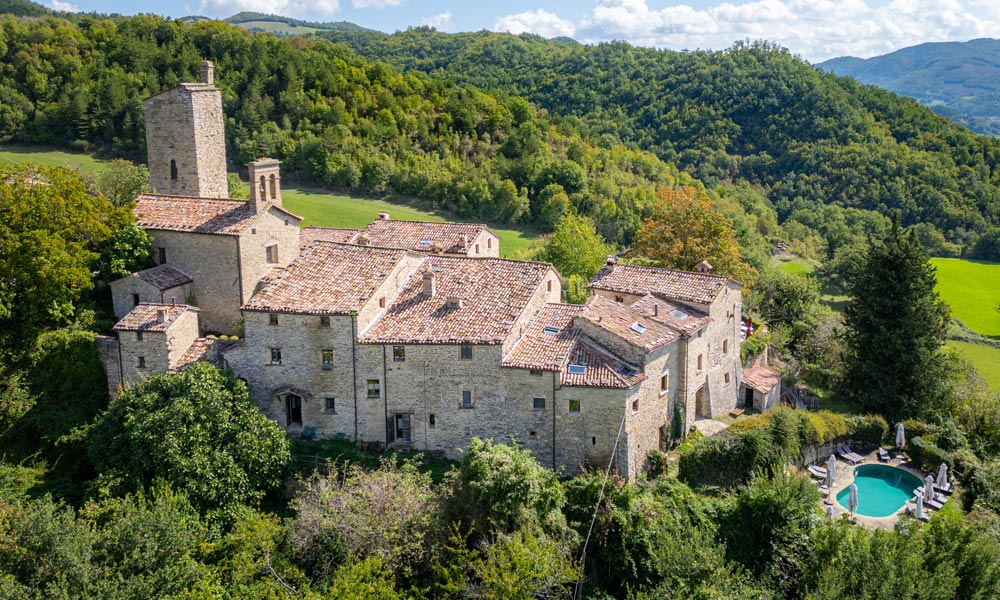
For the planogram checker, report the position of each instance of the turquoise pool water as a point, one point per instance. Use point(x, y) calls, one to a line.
point(882, 490)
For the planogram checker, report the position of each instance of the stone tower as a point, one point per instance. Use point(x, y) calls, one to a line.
point(185, 139)
point(265, 182)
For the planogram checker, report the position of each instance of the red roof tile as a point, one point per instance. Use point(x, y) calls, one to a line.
point(308, 235)
point(163, 277)
point(144, 317)
point(422, 236)
point(494, 293)
point(627, 323)
point(202, 349)
point(701, 288)
point(197, 215)
point(679, 318)
point(326, 279)
point(761, 378)
point(601, 368)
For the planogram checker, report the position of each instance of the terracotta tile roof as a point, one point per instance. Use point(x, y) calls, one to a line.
point(197, 215)
point(494, 293)
point(202, 349)
point(163, 277)
point(422, 236)
point(761, 378)
point(143, 317)
point(544, 351)
point(679, 318)
point(701, 288)
point(556, 350)
point(308, 235)
point(326, 279)
point(627, 323)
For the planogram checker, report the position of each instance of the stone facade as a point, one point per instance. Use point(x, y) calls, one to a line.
point(128, 292)
point(186, 140)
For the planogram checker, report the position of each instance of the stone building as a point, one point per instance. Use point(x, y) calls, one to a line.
point(414, 335)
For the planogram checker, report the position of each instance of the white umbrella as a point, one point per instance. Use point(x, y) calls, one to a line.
point(831, 467)
point(942, 480)
point(920, 506)
point(829, 480)
point(900, 436)
point(852, 499)
point(929, 487)
point(829, 511)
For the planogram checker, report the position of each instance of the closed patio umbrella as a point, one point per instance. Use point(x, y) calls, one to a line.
point(829, 511)
point(852, 499)
point(829, 481)
point(920, 506)
point(831, 467)
point(929, 487)
point(942, 480)
point(900, 436)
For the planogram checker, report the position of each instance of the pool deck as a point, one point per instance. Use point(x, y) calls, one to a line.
point(844, 478)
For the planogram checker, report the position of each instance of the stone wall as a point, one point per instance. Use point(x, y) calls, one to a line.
point(122, 290)
point(212, 262)
point(185, 125)
point(272, 227)
point(485, 245)
point(108, 349)
point(548, 290)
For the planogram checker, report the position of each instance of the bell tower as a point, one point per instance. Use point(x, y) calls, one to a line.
point(186, 140)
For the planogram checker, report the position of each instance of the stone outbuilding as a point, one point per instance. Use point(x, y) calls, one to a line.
point(761, 388)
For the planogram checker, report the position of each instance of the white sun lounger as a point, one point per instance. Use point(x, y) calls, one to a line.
point(849, 456)
point(815, 471)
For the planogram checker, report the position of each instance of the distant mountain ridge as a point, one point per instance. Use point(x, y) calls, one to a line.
point(960, 80)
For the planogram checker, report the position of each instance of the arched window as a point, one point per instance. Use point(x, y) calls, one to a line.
point(274, 187)
point(263, 188)
point(173, 170)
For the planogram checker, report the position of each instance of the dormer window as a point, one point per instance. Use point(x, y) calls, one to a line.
point(638, 327)
point(627, 371)
point(550, 330)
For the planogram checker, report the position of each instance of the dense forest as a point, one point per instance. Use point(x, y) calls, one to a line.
point(754, 112)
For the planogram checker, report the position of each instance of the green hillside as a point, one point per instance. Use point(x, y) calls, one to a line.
point(957, 79)
point(23, 8)
point(754, 112)
point(973, 291)
point(985, 359)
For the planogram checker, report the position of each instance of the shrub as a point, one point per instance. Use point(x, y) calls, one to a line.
point(826, 426)
point(915, 428)
point(925, 454)
point(869, 428)
point(656, 464)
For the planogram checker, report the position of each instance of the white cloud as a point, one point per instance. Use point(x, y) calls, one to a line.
point(376, 3)
point(288, 8)
point(815, 29)
point(441, 22)
point(539, 22)
point(64, 6)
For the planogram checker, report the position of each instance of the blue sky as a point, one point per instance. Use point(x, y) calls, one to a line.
point(814, 29)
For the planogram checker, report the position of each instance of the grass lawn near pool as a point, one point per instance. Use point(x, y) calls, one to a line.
point(320, 208)
point(986, 359)
point(972, 288)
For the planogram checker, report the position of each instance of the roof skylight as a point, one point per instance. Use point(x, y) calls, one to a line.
point(576, 369)
point(638, 327)
point(678, 314)
point(549, 329)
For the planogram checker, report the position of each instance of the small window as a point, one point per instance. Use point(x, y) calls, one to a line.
point(431, 421)
point(135, 299)
point(271, 253)
point(538, 403)
point(374, 388)
point(725, 346)
point(574, 369)
point(619, 298)
point(274, 187)
point(548, 286)
point(477, 248)
point(635, 406)
point(466, 399)
point(138, 336)
point(398, 353)
point(726, 377)
point(574, 407)
point(381, 302)
point(551, 330)
point(161, 254)
point(330, 404)
point(638, 327)
point(627, 371)
point(272, 319)
point(535, 372)
point(700, 362)
point(324, 321)
point(142, 362)
point(327, 359)
point(173, 170)
point(466, 352)
point(275, 356)
point(664, 382)
point(532, 435)
point(489, 242)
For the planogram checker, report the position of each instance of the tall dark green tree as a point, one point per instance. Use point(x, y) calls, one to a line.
point(896, 326)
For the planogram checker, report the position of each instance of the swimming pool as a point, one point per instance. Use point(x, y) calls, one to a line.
point(882, 490)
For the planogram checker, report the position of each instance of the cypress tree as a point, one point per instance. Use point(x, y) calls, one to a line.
point(896, 327)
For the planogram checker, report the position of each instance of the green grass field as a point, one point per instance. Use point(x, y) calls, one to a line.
point(794, 265)
point(986, 359)
point(973, 291)
point(277, 28)
point(319, 207)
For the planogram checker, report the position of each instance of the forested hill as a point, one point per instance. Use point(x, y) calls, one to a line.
point(333, 117)
point(753, 112)
point(957, 79)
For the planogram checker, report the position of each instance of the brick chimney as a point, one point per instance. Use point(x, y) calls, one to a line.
point(611, 261)
point(363, 240)
point(207, 72)
point(429, 287)
point(703, 267)
point(383, 215)
point(161, 315)
point(265, 182)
